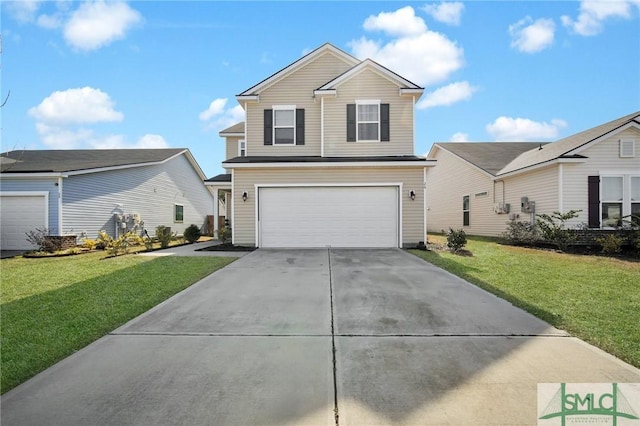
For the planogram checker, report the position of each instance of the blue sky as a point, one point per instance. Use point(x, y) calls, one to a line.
point(165, 74)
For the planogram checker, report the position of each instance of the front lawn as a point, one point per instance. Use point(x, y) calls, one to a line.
point(52, 307)
point(594, 298)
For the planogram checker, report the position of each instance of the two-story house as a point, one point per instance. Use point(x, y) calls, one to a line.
point(325, 157)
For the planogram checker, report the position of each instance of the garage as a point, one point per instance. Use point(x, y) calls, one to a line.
point(322, 216)
point(21, 213)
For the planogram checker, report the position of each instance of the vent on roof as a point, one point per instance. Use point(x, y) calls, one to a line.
point(627, 148)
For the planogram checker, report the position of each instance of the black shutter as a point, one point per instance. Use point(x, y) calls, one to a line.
point(384, 123)
point(593, 191)
point(299, 126)
point(268, 127)
point(351, 122)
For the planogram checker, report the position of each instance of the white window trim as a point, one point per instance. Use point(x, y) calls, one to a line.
point(175, 208)
point(367, 102)
point(468, 196)
point(626, 194)
point(240, 143)
point(283, 108)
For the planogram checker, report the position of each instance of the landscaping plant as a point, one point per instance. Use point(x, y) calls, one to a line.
point(163, 234)
point(120, 245)
point(39, 238)
point(224, 234)
point(192, 233)
point(553, 228)
point(520, 233)
point(456, 239)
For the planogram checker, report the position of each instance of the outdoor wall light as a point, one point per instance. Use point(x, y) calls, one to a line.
point(245, 195)
point(412, 195)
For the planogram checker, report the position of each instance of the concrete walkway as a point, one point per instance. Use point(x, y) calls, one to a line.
point(317, 337)
point(194, 250)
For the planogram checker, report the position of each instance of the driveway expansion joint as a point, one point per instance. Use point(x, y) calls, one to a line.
point(333, 343)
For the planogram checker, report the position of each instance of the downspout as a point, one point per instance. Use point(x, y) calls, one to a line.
point(233, 210)
point(424, 208)
point(322, 126)
point(60, 222)
point(560, 192)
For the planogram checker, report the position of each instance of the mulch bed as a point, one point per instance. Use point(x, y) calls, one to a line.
point(227, 247)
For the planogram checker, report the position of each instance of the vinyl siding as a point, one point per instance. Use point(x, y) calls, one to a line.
point(540, 185)
point(368, 85)
point(37, 184)
point(447, 183)
point(296, 89)
point(602, 157)
point(89, 200)
point(410, 177)
point(232, 147)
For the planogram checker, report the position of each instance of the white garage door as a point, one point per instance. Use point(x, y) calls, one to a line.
point(328, 216)
point(19, 214)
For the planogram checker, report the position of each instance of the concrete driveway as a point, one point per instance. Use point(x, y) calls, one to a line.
point(349, 337)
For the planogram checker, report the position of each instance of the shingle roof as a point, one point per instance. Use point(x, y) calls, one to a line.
point(490, 156)
point(236, 128)
point(318, 159)
point(59, 161)
point(564, 147)
point(224, 177)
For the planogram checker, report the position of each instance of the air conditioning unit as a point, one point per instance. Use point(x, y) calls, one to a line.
point(501, 208)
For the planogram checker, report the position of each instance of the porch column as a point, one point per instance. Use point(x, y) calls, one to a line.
point(216, 213)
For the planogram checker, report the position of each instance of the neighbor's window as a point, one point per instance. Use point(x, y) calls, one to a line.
point(465, 210)
point(611, 200)
point(284, 124)
point(179, 213)
point(242, 148)
point(368, 116)
point(635, 199)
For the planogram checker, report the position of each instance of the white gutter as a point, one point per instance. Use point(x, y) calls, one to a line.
point(350, 164)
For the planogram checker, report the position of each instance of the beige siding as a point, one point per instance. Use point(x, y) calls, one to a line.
point(603, 157)
point(232, 147)
point(366, 86)
point(410, 177)
point(447, 183)
point(296, 89)
point(540, 186)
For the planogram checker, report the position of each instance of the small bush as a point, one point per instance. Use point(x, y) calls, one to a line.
point(520, 233)
point(163, 234)
point(39, 238)
point(192, 233)
point(120, 245)
point(611, 243)
point(89, 243)
point(553, 229)
point(456, 239)
point(224, 234)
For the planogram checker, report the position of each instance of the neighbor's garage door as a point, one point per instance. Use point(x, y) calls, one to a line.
point(328, 216)
point(19, 214)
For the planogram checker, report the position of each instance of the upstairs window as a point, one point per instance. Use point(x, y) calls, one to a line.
point(242, 149)
point(284, 125)
point(284, 122)
point(368, 121)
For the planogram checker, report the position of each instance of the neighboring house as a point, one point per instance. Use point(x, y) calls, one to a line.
point(326, 158)
point(480, 187)
point(81, 192)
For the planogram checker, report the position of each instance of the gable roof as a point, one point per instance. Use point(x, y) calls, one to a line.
point(490, 157)
point(570, 146)
point(235, 130)
point(404, 84)
point(327, 47)
point(79, 161)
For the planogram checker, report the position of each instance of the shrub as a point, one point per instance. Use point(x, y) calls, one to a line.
point(456, 239)
point(553, 228)
point(611, 243)
point(520, 233)
point(192, 233)
point(89, 243)
point(120, 245)
point(39, 238)
point(224, 234)
point(163, 234)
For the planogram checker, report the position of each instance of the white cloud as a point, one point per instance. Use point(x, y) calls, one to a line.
point(219, 118)
point(83, 105)
point(119, 142)
point(216, 107)
point(523, 129)
point(447, 95)
point(97, 24)
point(530, 37)
point(402, 22)
point(23, 11)
point(592, 14)
point(448, 13)
point(459, 137)
point(50, 22)
point(426, 58)
point(55, 137)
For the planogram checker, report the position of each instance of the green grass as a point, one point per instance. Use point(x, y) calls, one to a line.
point(52, 307)
point(594, 298)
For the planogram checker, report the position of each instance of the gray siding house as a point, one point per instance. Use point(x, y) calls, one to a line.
point(80, 192)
